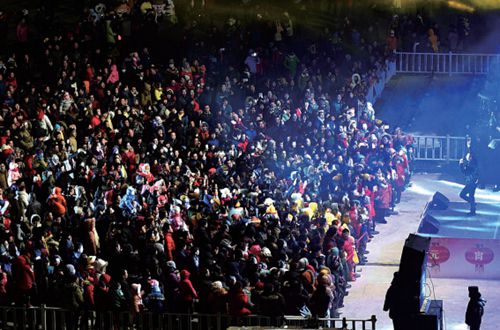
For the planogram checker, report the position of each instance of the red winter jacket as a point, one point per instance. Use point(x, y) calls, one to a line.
point(3, 288)
point(58, 202)
point(88, 295)
point(22, 273)
point(238, 301)
point(102, 298)
point(28, 162)
point(371, 206)
point(401, 172)
point(187, 291)
point(170, 246)
point(383, 197)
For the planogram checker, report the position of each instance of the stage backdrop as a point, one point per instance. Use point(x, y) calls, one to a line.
point(464, 258)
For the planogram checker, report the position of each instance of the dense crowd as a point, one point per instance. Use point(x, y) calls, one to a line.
point(245, 177)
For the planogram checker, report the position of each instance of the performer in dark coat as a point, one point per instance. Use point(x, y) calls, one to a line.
point(469, 167)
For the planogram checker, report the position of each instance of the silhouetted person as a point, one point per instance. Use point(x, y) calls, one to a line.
point(468, 165)
point(399, 303)
point(475, 309)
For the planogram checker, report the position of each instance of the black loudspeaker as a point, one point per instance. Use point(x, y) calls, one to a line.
point(418, 243)
point(439, 202)
point(412, 270)
point(428, 225)
point(412, 263)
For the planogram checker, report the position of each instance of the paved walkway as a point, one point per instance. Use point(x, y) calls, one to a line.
point(367, 294)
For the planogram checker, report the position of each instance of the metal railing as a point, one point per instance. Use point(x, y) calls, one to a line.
point(52, 318)
point(439, 148)
point(445, 63)
point(384, 75)
point(298, 322)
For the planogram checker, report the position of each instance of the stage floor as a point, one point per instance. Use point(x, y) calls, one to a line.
point(454, 221)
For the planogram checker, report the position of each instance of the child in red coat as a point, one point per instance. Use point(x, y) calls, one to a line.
point(187, 292)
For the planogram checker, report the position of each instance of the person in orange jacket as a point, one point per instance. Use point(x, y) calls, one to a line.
point(57, 202)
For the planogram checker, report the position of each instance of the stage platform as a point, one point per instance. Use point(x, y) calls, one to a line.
point(463, 246)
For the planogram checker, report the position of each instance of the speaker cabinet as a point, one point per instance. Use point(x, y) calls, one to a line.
point(429, 225)
point(412, 269)
point(439, 202)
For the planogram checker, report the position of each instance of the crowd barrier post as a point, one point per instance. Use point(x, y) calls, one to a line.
point(43, 316)
point(219, 321)
point(448, 148)
point(374, 321)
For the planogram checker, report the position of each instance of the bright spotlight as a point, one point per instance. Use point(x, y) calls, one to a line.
point(461, 6)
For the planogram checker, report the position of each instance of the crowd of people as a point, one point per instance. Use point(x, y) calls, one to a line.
point(245, 177)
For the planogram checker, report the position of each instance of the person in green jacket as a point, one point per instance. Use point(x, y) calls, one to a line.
point(110, 33)
point(291, 62)
point(72, 299)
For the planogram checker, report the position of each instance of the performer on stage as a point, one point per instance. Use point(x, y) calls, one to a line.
point(468, 165)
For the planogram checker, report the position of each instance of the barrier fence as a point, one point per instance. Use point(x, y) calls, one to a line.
point(384, 75)
point(52, 318)
point(439, 148)
point(445, 63)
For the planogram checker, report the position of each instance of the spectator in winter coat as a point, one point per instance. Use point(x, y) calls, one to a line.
point(22, 31)
point(102, 295)
point(129, 203)
point(172, 286)
point(90, 237)
point(155, 300)
point(391, 42)
point(272, 303)
point(114, 76)
point(217, 298)
point(187, 292)
point(238, 301)
point(169, 241)
point(252, 61)
point(433, 41)
point(88, 299)
point(3, 177)
point(23, 277)
point(72, 294)
point(308, 275)
point(350, 249)
point(296, 298)
point(291, 62)
point(57, 202)
point(14, 174)
point(137, 305)
point(4, 203)
point(321, 300)
point(3, 288)
point(382, 198)
point(110, 33)
point(72, 300)
point(118, 301)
